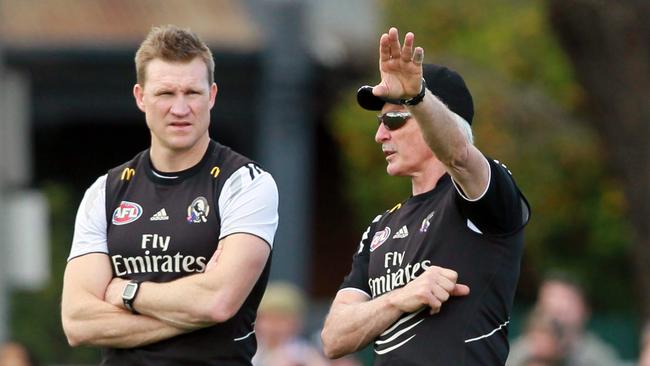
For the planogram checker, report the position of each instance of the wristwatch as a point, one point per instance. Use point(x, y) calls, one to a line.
point(418, 98)
point(129, 293)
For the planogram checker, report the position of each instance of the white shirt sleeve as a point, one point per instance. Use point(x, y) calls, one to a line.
point(249, 204)
point(90, 225)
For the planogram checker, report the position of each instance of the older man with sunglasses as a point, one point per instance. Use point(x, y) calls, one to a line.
point(461, 229)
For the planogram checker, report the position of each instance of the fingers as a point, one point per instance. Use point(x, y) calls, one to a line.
point(418, 56)
point(444, 286)
point(431, 288)
point(389, 45)
point(460, 290)
point(448, 281)
point(400, 66)
point(447, 273)
point(441, 293)
point(380, 90)
point(393, 37)
point(407, 50)
point(384, 48)
point(435, 304)
point(408, 53)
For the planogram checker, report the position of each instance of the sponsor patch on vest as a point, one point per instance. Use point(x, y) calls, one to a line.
point(379, 238)
point(126, 213)
point(198, 210)
point(160, 216)
point(402, 233)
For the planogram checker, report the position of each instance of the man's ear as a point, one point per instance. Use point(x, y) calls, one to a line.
point(138, 93)
point(213, 94)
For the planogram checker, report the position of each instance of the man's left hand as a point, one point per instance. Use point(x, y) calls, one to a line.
point(400, 67)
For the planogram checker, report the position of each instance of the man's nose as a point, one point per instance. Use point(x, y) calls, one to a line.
point(382, 133)
point(180, 107)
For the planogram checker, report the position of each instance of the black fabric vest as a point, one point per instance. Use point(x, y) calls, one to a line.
point(437, 235)
point(160, 230)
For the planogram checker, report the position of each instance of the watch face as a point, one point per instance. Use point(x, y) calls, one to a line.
point(129, 291)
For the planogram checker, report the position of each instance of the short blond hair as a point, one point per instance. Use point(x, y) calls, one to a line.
point(283, 297)
point(171, 43)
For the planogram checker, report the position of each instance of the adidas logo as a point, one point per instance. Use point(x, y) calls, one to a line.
point(160, 216)
point(401, 233)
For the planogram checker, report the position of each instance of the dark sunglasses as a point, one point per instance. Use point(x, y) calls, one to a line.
point(393, 120)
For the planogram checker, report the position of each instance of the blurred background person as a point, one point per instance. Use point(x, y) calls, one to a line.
point(543, 340)
point(279, 328)
point(349, 360)
point(15, 354)
point(562, 303)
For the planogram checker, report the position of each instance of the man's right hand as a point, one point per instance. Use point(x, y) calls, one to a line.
point(432, 288)
point(355, 319)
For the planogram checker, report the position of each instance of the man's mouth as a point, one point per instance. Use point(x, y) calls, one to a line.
point(388, 151)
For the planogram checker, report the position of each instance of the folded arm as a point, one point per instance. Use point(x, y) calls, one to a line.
point(354, 320)
point(89, 320)
point(206, 298)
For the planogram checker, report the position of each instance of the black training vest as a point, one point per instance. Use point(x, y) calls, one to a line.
point(162, 229)
point(430, 230)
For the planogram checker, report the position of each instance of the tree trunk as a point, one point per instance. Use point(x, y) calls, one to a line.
point(608, 43)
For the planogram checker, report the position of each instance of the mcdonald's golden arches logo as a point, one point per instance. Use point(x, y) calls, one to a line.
point(127, 174)
point(215, 171)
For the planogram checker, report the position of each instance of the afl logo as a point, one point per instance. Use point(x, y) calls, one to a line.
point(126, 213)
point(379, 238)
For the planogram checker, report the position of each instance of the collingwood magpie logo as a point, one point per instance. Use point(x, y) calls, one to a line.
point(426, 222)
point(198, 210)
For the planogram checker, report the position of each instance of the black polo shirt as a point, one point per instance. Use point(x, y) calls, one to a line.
point(482, 240)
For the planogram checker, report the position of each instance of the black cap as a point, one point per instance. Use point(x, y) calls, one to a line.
point(443, 82)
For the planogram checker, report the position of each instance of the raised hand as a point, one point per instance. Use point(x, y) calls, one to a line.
point(400, 66)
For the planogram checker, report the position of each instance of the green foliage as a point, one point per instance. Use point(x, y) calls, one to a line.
point(523, 90)
point(509, 37)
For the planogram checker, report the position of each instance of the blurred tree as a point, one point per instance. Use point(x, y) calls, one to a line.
point(608, 43)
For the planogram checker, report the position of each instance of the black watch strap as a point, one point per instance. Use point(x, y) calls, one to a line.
point(418, 98)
